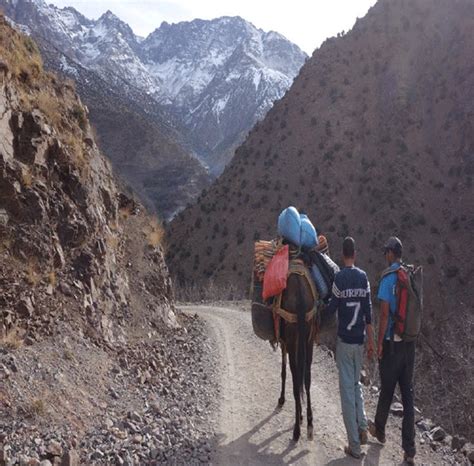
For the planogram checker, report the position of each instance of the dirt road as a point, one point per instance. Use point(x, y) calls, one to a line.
point(250, 428)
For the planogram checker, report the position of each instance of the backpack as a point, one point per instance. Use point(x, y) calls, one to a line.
point(409, 293)
point(323, 269)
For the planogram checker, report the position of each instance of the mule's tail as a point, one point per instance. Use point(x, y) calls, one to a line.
point(301, 351)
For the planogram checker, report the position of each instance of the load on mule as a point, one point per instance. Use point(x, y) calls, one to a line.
point(292, 278)
point(295, 231)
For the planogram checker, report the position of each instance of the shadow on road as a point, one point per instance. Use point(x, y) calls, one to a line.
point(372, 458)
point(244, 451)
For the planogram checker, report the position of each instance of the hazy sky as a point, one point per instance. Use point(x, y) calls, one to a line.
point(305, 22)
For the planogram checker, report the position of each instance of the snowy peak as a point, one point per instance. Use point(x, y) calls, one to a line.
point(217, 77)
point(115, 26)
point(191, 54)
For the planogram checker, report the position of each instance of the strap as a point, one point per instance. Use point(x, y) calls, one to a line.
point(297, 267)
point(293, 318)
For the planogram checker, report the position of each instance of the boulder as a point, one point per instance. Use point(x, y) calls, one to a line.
point(438, 434)
point(54, 448)
point(25, 307)
point(458, 442)
point(70, 458)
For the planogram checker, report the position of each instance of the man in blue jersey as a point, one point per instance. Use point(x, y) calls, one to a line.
point(351, 298)
point(396, 357)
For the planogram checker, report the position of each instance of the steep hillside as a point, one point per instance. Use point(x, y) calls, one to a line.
point(374, 138)
point(88, 327)
point(135, 134)
point(61, 223)
point(216, 77)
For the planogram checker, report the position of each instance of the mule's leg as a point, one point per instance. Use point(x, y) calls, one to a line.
point(307, 384)
point(296, 394)
point(281, 400)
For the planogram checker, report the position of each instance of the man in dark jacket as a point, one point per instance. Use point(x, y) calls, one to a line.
point(396, 357)
point(351, 298)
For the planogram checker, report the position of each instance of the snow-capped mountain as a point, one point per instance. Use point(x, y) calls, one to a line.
point(221, 76)
point(217, 77)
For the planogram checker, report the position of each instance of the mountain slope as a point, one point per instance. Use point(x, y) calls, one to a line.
point(88, 329)
point(374, 138)
point(144, 150)
point(62, 229)
point(221, 76)
point(216, 77)
point(137, 135)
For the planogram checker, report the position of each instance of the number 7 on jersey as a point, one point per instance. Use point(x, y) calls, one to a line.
point(356, 306)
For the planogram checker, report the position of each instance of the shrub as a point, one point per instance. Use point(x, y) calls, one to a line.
point(79, 115)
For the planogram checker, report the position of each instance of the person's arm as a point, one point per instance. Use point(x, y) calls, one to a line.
point(335, 298)
point(384, 295)
point(370, 341)
point(368, 322)
point(384, 313)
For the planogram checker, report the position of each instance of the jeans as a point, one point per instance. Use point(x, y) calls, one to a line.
point(349, 358)
point(397, 366)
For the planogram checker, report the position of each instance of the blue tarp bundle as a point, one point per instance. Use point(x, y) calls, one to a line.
point(297, 228)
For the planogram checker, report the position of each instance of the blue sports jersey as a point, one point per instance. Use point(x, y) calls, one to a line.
point(351, 299)
point(387, 292)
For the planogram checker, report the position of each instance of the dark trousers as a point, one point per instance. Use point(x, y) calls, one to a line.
point(397, 366)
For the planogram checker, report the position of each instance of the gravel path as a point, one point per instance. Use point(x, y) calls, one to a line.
point(203, 393)
point(250, 428)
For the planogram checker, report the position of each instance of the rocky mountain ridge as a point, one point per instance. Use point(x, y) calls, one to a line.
point(145, 150)
point(373, 139)
point(95, 360)
point(216, 77)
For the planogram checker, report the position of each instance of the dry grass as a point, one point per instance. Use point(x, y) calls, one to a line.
point(55, 98)
point(113, 241)
point(37, 407)
point(5, 244)
point(21, 54)
point(12, 340)
point(33, 277)
point(4, 399)
point(52, 278)
point(49, 105)
point(125, 212)
point(26, 177)
point(154, 233)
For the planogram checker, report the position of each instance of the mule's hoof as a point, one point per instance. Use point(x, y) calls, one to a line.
point(296, 434)
point(281, 402)
point(301, 420)
point(310, 433)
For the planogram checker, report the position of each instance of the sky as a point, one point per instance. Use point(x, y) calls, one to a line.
point(307, 23)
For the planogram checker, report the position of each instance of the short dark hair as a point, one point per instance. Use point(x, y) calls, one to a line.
point(348, 247)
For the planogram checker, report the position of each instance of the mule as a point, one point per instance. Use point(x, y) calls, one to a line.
point(297, 340)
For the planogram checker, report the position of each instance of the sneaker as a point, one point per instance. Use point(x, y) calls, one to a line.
point(409, 459)
point(375, 433)
point(363, 436)
point(348, 451)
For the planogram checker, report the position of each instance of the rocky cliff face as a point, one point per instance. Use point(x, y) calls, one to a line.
point(217, 78)
point(374, 138)
point(64, 220)
point(96, 367)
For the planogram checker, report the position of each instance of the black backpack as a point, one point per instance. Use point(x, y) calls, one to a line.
point(327, 267)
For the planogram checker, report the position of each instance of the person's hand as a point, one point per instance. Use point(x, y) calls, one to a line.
point(370, 350)
point(380, 350)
